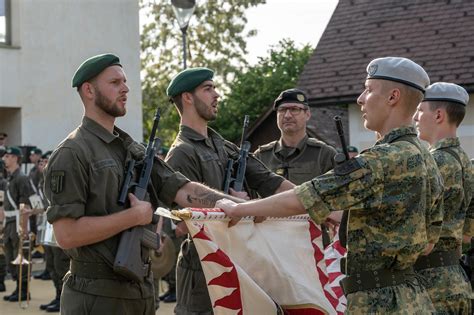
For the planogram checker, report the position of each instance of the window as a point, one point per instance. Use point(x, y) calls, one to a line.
point(5, 22)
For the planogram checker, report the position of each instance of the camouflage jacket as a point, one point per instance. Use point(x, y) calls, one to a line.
point(394, 194)
point(458, 191)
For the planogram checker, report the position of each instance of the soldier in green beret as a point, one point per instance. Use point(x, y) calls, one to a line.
point(200, 153)
point(18, 191)
point(393, 192)
point(83, 180)
point(437, 119)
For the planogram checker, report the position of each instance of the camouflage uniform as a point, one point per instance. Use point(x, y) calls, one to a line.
point(388, 190)
point(309, 159)
point(449, 287)
point(203, 160)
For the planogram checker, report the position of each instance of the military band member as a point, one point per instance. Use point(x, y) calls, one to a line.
point(437, 118)
point(17, 192)
point(3, 264)
point(201, 154)
point(392, 199)
point(83, 180)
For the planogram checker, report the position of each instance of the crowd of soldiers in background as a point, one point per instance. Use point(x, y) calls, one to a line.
point(38, 243)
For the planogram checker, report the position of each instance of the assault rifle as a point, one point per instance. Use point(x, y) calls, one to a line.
point(128, 261)
point(340, 158)
point(237, 182)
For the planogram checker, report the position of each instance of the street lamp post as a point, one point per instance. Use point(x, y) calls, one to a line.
point(183, 9)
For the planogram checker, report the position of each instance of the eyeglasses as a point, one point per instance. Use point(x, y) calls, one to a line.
point(293, 110)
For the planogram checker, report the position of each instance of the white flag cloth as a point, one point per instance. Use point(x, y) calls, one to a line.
point(258, 268)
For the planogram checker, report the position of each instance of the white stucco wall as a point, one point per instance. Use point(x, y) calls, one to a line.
point(50, 40)
point(363, 139)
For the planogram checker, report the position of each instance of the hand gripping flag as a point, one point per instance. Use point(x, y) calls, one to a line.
point(274, 267)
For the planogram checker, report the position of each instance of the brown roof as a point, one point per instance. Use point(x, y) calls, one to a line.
point(439, 35)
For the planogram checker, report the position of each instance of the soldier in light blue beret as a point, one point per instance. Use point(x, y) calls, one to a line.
point(392, 191)
point(437, 119)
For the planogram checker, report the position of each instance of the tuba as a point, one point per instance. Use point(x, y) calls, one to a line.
point(25, 244)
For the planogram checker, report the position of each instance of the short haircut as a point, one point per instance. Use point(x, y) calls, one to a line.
point(455, 111)
point(409, 95)
point(178, 102)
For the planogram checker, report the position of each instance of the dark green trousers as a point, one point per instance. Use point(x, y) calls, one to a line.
point(79, 303)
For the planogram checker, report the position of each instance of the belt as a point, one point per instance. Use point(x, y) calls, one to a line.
point(93, 270)
point(437, 259)
point(375, 279)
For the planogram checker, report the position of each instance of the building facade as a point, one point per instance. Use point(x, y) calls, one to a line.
point(43, 43)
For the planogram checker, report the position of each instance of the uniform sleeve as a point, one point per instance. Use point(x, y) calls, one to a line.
point(167, 181)
point(66, 179)
point(359, 187)
point(184, 160)
point(469, 221)
point(435, 213)
point(327, 158)
point(260, 178)
point(25, 190)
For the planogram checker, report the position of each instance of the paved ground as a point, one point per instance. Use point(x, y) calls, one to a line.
point(43, 292)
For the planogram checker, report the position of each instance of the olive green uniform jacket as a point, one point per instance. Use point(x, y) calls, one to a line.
point(394, 211)
point(449, 287)
point(84, 178)
point(204, 160)
point(309, 159)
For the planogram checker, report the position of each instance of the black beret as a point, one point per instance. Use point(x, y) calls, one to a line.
point(187, 80)
point(291, 96)
point(92, 67)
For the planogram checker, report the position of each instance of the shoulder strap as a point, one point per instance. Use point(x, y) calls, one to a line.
point(10, 199)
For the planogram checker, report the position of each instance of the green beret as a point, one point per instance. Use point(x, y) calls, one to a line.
point(46, 155)
point(352, 149)
point(13, 150)
point(92, 67)
point(399, 69)
point(36, 151)
point(448, 92)
point(187, 80)
point(291, 96)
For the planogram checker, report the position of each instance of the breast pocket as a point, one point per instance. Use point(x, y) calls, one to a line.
point(300, 173)
point(105, 176)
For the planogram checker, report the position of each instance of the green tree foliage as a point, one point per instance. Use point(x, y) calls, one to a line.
point(253, 91)
point(216, 40)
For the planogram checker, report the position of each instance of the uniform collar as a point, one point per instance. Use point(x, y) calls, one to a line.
point(102, 133)
point(192, 134)
point(446, 143)
point(279, 145)
point(397, 133)
point(15, 173)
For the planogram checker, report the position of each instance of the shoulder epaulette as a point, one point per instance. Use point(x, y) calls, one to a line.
point(267, 147)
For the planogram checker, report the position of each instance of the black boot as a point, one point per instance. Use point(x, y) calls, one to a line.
point(7, 297)
point(2, 284)
point(45, 306)
point(54, 308)
point(164, 295)
point(171, 298)
point(24, 296)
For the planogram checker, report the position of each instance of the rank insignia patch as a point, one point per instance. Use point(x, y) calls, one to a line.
point(57, 181)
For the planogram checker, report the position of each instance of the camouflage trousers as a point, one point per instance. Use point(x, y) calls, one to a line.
point(449, 289)
point(404, 299)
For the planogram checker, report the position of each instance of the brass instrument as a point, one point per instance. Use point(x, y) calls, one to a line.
point(20, 260)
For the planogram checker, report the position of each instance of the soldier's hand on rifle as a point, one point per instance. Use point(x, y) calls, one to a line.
point(143, 210)
point(239, 194)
